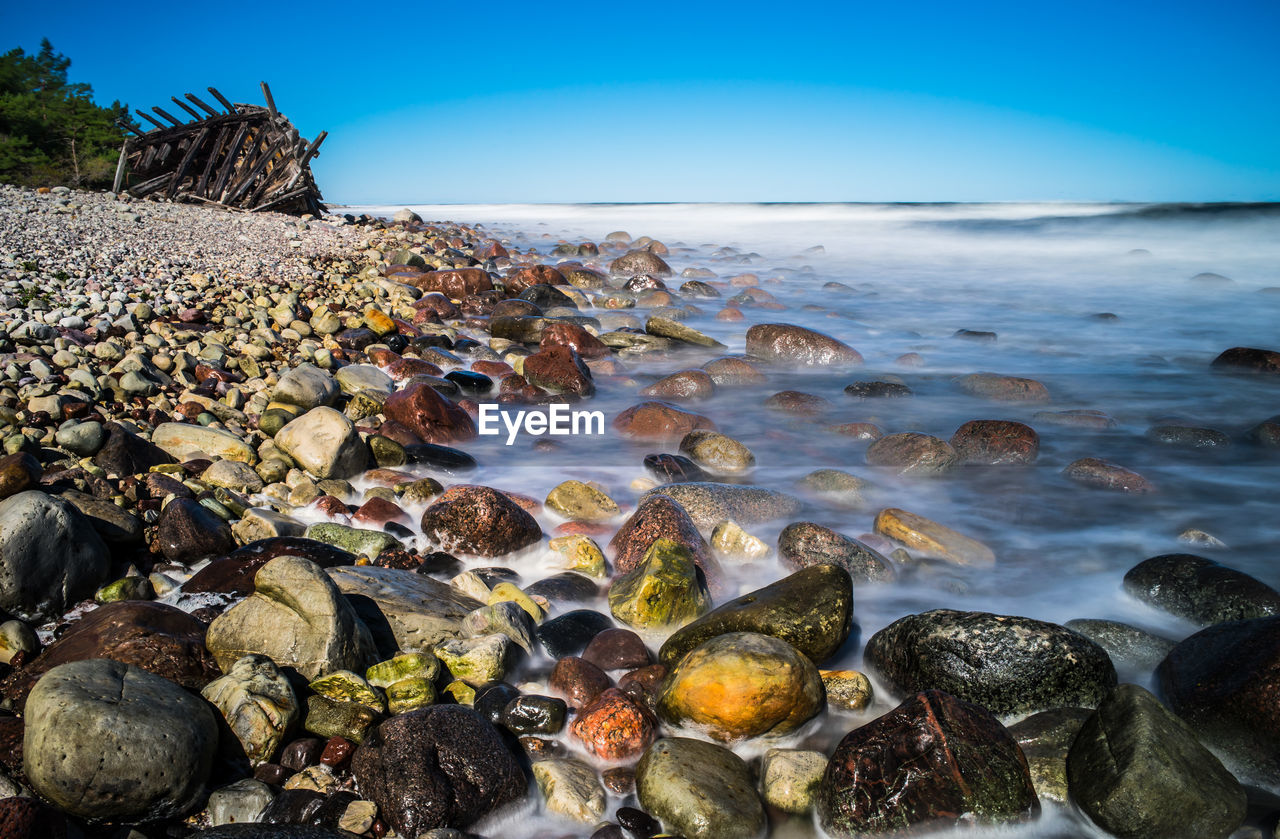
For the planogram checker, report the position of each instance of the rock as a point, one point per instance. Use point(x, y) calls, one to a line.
point(1003, 388)
point(837, 487)
point(1080, 418)
point(233, 475)
point(116, 525)
point(477, 661)
point(1224, 681)
point(932, 761)
point(718, 452)
point(325, 443)
point(1188, 437)
point(1200, 589)
point(559, 369)
point(109, 741)
point(530, 714)
point(708, 503)
point(1045, 738)
point(803, 544)
point(357, 377)
point(913, 453)
point(257, 703)
point(50, 556)
point(658, 421)
point(126, 454)
point(996, 443)
point(19, 472)
point(740, 685)
point(355, 540)
point(335, 718)
point(581, 502)
point(848, 690)
point(186, 441)
point(1008, 665)
point(1248, 359)
point(789, 779)
point(730, 541)
point(479, 520)
point(404, 610)
point(234, 573)
point(571, 789)
point(796, 345)
point(1129, 647)
point(657, 515)
point(928, 538)
point(686, 384)
point(613, 727)
point(812, 610)
point(83, 439)
point(506, 618)
point(155, 637)
point(617, 649)
point(442, 766)
point(187, 531)
point(269, 831)
point(298, 618)
point(239, 803)
point(307, 387)
point(663, 590)
point(345, 686)
point(1137, 770)
point(429, 415)
point(637, 262)
point(877, 390)
point(573, 336)
point(569, 634)
point(677, 331)
point(1100, 474)
point(578, 680)
point(16, 637)
point(699, 790)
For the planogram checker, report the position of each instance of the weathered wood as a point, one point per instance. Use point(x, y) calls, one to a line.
point(229, 163)
point(271, 102)
point(213, 159)
point(115, 185)
point(181, 171)
point(184, 106)
point(200, 103)
point(213, 91)
point(151, 119)
point(167, 115)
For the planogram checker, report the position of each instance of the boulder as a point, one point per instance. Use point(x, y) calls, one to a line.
point(657, 515)
point(1008, 665)
point(1200, 589)
point(1248, 360)
point(325, 443)
point(442, 766)
point(435, 419)
point(686, 384)
point(50, 556)
point(19, 472)
point(996, 443)
point(404, 610)
point(107, 741)
point(913, 453)
point(558, 369)
point(1139, 771)
point(812, 610)
point(1130, 648)
point(740, 685)
point(638, 262)
point(1003, 388)
point(258, 704)
point(930, 762)
point(803, 544)
point(709, 503)
point(479, 520)
point(658, 421)
point(613, 726)
point(788, 343)
point(1045, 738)
point(1101, 474)
point(188, 441)
point(187, 531)
point(699, 790)
point(297, 617)
point(928, 538)
point(570, 789)
point(306, 386)
point(718, 452)
point(663, 591)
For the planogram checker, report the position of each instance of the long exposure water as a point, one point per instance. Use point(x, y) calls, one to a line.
point(1037, 276)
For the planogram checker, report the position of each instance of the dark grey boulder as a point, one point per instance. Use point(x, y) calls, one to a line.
point(50, 556)
point(1129, 647)
point(803, 544)
point(1200, 589)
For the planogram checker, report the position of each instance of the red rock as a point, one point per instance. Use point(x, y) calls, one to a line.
point(658, 421)
point(19, 472)
point(332, 506)
point(29, 818)
point(479, 520)
point(158, 638)
point(794, 344)
point(578, 681)
point(730, 371)
point(558, 369)
point(492, 369)
point(912, 453)
point(614, 727)
point(403, 435)
point(456, 283)
point(658, 516)
point(489, 249)
point(1078, 418)
point(429, 415)
point(11, 731)
point(382, 357)
point(617, 649)
point(436, 304)
point(743, 280)
point(388, 477)
point(996, 442)
point(582, 528)
point(730, 314)
point(337, 752)
point(376, 512)
point(933, 760)
point(644, 282)
point(406, 368)
point(566, 334)
point(1094, 472)
point(606, 367)
point(528, 503)
point(525, 276)
point(797, 402)
point(686, 384)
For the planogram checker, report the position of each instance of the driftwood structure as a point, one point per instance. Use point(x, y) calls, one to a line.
point(245, 157)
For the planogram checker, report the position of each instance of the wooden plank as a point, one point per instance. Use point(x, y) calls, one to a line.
point(199, 103)
point(185, 107)
point(115, 185)
point(166, 115)
point(148, 187)
point(192, 149)
point(222, 100)
point(271, 102)
point(230, 162)
point(256, 170)
point(213, 159)
point(311, 152)
point(163, 154)
point(282, 199)
point(152, 120)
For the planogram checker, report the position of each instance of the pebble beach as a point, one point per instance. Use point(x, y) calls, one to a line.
point(370, 525)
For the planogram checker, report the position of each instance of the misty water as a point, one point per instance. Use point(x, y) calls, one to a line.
point(1036, 275)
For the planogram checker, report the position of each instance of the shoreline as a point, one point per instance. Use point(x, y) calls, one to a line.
point(247, 457)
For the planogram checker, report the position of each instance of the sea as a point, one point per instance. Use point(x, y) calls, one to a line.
point(1119, 308)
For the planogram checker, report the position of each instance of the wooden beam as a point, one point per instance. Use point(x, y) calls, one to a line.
point(256, 170)
point(199, 103)
point(271, 103)
point(222, 100)
point(186, 160)
point(167, 116)
point(184, 106)
point(152, 120)
point(213, 159)
point(229, 162)
point(312, 151)
point(115, 185)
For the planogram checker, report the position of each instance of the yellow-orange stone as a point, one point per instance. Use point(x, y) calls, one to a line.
point(932, 539)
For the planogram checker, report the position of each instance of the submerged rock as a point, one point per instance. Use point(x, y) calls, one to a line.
point(1200, 589)
point(699, 789)
point(787, 342)
point(664, 590)
point(708, 503)
point(803, 544)
point(928, 538)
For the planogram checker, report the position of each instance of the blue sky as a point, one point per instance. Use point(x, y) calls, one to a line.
point(667, 101)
